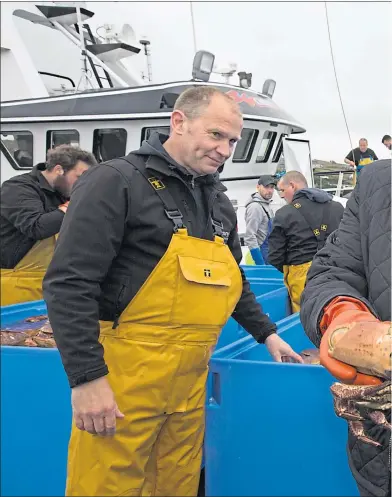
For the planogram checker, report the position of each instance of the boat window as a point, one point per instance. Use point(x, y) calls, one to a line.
point(146, 132)
point(62, 137)
point(244, 148)
point(17, 146)
point(109, 143)
point(266, 146)
point(279, 148)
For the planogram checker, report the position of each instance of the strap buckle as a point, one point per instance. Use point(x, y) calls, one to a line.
point(217, 227)
point(176, 217)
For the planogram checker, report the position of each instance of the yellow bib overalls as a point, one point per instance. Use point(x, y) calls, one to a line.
point(158, 357)
point(24, 282)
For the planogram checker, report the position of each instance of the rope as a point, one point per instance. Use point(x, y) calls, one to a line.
point(193, 28)
point(336, 79)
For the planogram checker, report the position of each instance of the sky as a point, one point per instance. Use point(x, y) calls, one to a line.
point(288, 42)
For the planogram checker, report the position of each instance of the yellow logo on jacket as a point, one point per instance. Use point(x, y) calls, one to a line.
point(156, 183)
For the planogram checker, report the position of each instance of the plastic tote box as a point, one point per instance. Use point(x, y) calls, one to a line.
point(261, 271)
point(275, 303)
point(261, 286)
point(35, 414)
point(270, 427)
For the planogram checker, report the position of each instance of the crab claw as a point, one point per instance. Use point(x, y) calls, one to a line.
point(379, 418)
point(359, 432)
point(369, 441)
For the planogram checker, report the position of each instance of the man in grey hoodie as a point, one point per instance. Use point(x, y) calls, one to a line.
point(300, 229)
point(258, 218)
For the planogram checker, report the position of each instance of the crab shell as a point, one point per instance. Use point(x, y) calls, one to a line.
point(311, 356)
point(365, 345)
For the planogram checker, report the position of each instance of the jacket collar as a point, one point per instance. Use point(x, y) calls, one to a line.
point(36, 172)
point(161, 166)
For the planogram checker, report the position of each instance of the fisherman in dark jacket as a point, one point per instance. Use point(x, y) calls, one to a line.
point(144, 277)
point(32, 210)
point(299, 230)
point(349, 288)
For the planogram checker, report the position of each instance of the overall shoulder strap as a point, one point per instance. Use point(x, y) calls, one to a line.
point(156, 183)
point(269, 217)
point(169, 204)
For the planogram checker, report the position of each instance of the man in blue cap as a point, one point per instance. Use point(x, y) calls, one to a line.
point(258, 218)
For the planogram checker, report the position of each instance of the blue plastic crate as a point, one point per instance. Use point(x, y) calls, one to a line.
point(271, 428)
point(260, 286)
point(35, 415)
point(275, 303)
point(261, 272)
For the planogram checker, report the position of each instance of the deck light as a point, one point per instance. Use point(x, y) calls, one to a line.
point(202, 65)
point(269, 87)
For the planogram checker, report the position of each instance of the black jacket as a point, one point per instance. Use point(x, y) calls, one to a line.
point(356, 262)
point(292, 241)
point(114, 234)
point(29, 212)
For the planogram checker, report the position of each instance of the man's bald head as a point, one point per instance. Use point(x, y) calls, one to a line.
point(290, 183)
point(193, 101)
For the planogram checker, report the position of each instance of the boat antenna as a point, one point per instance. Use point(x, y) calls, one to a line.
point(84, 78)
point(336, 78)
point(193, 29)
point(147, 52)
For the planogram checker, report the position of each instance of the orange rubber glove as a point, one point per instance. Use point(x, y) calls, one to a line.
point(341, 311)
point(63, 207)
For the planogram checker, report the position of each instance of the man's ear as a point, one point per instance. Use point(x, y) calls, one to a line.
point(177, 122)
point(58, 169)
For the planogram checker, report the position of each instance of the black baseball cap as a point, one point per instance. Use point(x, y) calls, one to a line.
point(266, 180)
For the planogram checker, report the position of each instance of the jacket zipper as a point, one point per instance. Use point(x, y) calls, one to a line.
point(210, 202)
point(118, 305)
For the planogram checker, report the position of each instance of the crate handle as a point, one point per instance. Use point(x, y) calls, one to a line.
point(216, 389)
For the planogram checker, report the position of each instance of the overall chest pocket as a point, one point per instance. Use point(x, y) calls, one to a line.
point(202, 291)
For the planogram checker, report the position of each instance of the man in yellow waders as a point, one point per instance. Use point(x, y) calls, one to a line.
point(32, 210)
point(360, 157)
point(144, 277)
point(299, 230)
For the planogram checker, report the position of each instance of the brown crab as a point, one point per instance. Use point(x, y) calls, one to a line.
point(41, 336)
point(365, 345)
point(356, 403)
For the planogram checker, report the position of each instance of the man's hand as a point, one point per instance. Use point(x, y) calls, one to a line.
point(94, 407)
point(278, 348)
point(63, 207)
point(349, 318)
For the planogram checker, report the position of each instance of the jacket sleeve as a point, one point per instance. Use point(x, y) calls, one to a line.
point(23, 208)
point(277, 243)
point(337, 270)
point(89, 240)
point(248, 312)
point(254, 215)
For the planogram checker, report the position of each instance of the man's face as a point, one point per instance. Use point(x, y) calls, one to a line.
point(286, 190)
point(387, 143)
point(363, 145)
point(207, 141)
point(266, 192)
point(66, 180)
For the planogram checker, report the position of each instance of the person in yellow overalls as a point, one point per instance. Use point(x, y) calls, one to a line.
point(32, 211)
point(360, 157)
point(145, 275)
point(299, 230)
